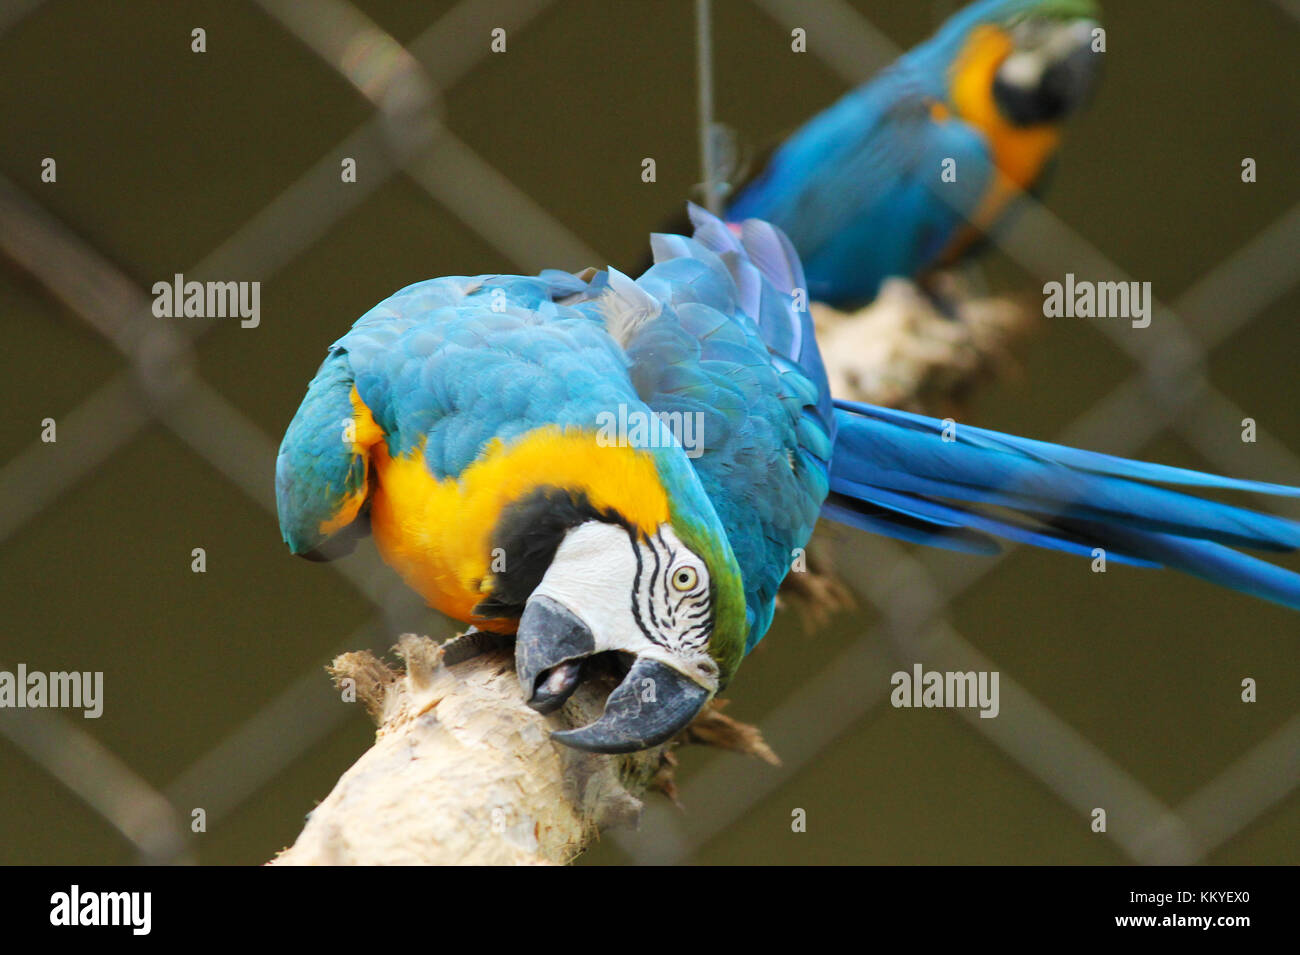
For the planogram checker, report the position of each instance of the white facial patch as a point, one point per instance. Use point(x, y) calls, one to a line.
point(1023, 70)
point(592, 575)
point(651, 598)
point(1039, 44)
point(673, 605)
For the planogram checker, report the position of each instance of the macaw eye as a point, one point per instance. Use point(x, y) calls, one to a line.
point(685, 578)
point(1029, 32)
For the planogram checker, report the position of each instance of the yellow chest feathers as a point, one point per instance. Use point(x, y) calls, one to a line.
point(444, 535)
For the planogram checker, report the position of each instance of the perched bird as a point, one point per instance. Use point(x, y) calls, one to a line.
point(910, 170)
point(602, 465)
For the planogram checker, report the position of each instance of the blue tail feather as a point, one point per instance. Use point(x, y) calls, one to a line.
point(944, 519)
point(1205, 559)
point(1073, 457)
point(896, 473)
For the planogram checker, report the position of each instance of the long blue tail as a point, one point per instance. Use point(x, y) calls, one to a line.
point(901, 474)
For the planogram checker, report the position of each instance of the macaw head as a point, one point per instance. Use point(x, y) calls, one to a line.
point(636, 565)
point(1051, 67)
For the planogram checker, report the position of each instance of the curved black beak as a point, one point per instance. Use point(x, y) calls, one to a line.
point(549, 649)
point(652, 705)
point(1068, 82)
point(1064, 86)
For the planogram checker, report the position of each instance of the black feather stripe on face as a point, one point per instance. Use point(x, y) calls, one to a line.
point(656, 604)
point(529, 533)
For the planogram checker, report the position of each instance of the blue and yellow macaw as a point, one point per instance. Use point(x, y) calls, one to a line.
point(523, 450)
point(908, 171)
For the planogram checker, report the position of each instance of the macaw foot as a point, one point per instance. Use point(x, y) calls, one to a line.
point(652, 703)
point(942, 298)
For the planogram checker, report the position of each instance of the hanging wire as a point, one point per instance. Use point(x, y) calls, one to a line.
point(704, 90)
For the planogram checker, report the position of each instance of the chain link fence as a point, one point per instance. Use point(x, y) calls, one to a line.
point(408, 137)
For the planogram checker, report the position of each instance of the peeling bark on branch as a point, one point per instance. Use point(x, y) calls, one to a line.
point(901, 352)
point(462, 772)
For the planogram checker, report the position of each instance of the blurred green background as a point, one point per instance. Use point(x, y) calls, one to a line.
point(215, 696)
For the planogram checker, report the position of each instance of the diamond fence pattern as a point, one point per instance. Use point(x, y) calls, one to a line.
point(406, 137)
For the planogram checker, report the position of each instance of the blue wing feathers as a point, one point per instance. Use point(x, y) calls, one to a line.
point(318, 473)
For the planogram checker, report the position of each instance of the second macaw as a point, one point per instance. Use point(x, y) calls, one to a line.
point(516, 446)
point(908, 171)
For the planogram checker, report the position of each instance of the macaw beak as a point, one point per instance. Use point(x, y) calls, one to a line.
point(1069, 80)
point(653, 703)
point(550, 646)
point(1050, 81)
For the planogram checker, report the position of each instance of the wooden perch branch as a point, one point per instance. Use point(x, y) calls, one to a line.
point(903, 353)
point(462, 772)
